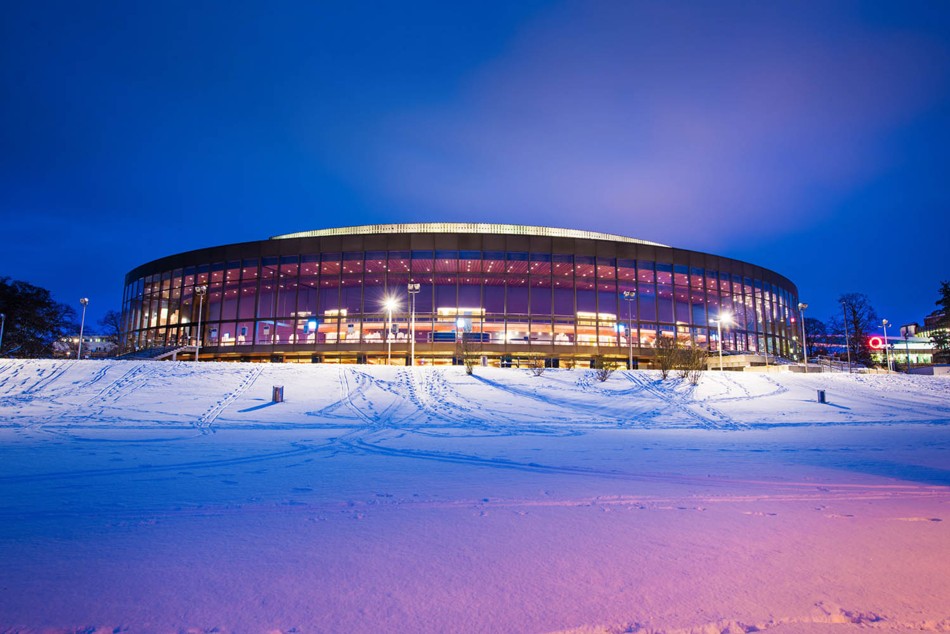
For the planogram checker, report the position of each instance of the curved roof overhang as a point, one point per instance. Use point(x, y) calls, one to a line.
point(465, 227)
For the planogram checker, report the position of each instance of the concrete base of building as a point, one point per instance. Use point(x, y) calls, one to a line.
point(488, 356)
point(932, 370)
point(737, 362)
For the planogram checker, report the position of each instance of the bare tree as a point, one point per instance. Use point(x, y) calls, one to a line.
point(861, 320)
point(465, 349)
point(692, 363)
point(667, 351)
point(817, 333)
point(111, 326)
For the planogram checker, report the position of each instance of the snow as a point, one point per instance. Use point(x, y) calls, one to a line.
point(175, 497)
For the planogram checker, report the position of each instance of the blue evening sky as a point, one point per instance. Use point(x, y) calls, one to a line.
point(809, 138)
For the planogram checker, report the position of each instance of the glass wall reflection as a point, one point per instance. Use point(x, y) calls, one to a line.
point(559, 303)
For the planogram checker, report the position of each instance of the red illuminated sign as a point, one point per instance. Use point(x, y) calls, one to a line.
point(876, 343)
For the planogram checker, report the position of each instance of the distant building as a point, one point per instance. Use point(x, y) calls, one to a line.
point(93, 346)
point(931, 327)
point(509, 291)
point(917, 350)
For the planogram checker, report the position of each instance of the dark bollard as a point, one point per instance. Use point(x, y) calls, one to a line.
point(821, 396)
point(278, 395)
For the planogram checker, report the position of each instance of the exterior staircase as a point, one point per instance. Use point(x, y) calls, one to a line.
point(156, 354)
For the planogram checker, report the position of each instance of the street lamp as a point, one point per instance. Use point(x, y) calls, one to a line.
point(887, 353)
point(629, 296)
point(389, 304)
point(724, 318)
point(200, 292)
point(801, 310)
point(85, 302)
point(413, 288)
point(908, 331)
point(847, 339)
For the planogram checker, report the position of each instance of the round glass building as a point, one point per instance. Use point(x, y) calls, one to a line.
point(504, 292)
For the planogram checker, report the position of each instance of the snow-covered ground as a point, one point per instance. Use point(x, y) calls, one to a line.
point(167, 497)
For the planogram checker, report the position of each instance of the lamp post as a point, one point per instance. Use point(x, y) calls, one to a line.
point(3, 322)
point(82, 324)
point(887, 353)
point(200, 292)
point(413, 288)
point(908, 331)
point(390, 304)
point(629, 296)
point(907, 348)
point(723, 318)
point(847, 339)
point(801, 310)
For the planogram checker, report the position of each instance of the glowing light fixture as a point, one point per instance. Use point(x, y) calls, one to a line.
point(724, 318)
point(389, 303)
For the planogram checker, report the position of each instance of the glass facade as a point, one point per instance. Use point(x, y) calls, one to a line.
point(572, 298)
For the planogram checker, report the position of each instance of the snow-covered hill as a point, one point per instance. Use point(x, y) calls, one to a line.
point(176, 497)
point(72, 397)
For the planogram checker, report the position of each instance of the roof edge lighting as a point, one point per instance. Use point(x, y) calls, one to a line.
point(465, 227)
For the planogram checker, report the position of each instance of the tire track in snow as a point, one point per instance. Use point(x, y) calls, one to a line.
point(44, 377)
point(299, 449)
point(731, 384)
point(798, 491)
point(207, 419)
point(709, 418)
point(54, 373)
point(348, 397)
point(346, 402)
point(96, 405)
point(385, 416)
point(444, 406)
point(421, 389)
point(572, 406)
point(95, 378)
point(452, 405)
point(9, 368)
point(127, 384)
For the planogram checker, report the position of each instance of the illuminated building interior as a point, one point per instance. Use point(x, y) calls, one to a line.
point(509, 291)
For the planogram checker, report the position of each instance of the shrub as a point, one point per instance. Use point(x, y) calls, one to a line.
point(603, 368)
point(536, 365)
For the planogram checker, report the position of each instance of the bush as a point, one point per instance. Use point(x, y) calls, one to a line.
point(603, 368)
point(536, 365)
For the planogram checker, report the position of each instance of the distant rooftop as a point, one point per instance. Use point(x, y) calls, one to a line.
point(465, 227)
